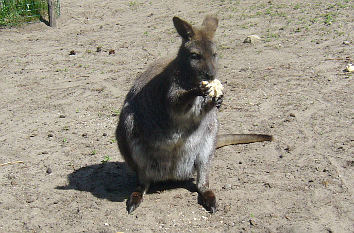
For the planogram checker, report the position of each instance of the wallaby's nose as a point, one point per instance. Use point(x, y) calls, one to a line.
point(210, 72)
point(209, 75)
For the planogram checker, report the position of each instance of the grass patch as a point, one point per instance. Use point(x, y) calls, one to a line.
point(17, 12)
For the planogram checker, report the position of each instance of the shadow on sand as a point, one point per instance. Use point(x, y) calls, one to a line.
point(115, 181)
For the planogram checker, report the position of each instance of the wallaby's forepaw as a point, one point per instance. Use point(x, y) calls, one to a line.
point(208, 200)
point(212, 92)
point(134, 201)
point(204, 90)
point(218, 101)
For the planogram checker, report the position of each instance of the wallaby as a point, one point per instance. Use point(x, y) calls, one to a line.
point(168, 123)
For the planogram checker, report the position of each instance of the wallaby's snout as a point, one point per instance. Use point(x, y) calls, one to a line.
point(209, 72)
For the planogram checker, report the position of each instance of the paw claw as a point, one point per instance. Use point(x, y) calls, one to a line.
point(134, 201)
point(212, 210)
point(209, 201)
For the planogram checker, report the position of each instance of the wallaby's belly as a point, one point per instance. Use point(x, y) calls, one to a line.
point(174, 158)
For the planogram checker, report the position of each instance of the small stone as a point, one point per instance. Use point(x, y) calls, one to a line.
point(349, 68)
point(267, 185)
point(104, 134)
point(227, 186)
point(50, 135)
point(252, 39)
point(111, 52)
point(49, 170)
point(252, 222)
point(72, 52)
point(350, 163)
point(292, 114)
point(62, 116)
point(98, 49)
point(30, 200)
point(84, 135)
point(227, 208)
point(346, 42)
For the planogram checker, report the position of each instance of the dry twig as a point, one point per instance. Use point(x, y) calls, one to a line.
point(10, 163)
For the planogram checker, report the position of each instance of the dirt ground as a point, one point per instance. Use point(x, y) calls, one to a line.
point(59, 112)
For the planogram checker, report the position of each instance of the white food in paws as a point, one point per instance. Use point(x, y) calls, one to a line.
point(215, 87)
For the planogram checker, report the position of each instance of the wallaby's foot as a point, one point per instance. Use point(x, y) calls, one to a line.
point(208, 200)
point(137, 197)
point(134, 201)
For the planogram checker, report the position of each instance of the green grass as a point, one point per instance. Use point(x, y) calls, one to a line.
point(106, 159)
point(17, 12)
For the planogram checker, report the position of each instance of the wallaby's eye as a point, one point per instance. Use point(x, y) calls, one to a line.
point(195, 56)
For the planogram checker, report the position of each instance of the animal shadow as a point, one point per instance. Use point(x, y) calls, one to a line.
point(114, 181)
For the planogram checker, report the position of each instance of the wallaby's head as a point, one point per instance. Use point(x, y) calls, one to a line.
point(198, 52)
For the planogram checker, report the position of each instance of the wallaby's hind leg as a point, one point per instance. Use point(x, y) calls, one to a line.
point(137, 196)
point(206, 196)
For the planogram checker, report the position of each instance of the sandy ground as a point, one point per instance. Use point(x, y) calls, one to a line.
point(59, 112)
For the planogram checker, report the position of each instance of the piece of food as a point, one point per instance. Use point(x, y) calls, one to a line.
point(215, 87)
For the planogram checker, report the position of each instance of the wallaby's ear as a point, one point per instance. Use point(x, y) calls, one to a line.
point(184, 29)
point(210, 23)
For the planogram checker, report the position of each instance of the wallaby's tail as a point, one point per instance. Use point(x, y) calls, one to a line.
point(232, 139)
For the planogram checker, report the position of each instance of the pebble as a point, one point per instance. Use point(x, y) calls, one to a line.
point(349, 68)
point(62, 116)
point(346, 42)
point(30, 199)
point(49, 170)
point(252, 39)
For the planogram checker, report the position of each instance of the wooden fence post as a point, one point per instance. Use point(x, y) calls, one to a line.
point(51, 14)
